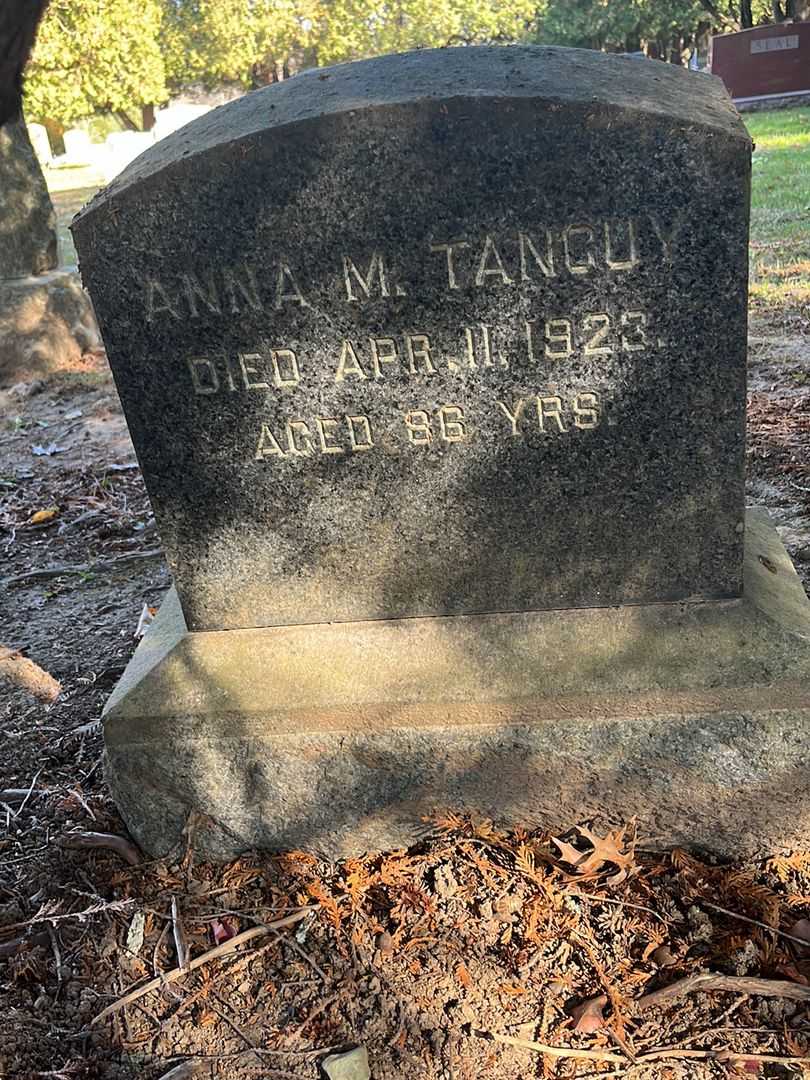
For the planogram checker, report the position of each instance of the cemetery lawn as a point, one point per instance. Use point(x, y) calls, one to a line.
point(434, 958)
point(780, 208)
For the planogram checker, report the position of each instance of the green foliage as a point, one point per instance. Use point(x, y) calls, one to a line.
point(233, 41)
point(353, 28)
point(95, 56)
point(214, 41)
point(669, 26)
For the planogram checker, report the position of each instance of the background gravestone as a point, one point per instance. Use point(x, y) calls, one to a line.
point(453, 333)
point(46, 321)
point(457, 331)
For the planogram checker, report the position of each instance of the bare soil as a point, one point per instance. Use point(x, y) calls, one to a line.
point(420, 955)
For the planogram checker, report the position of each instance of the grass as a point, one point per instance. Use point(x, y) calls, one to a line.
point(780, 209)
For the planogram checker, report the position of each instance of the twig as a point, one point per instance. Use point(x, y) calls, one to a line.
point(620, 903)
point(180, 942)
point(87, 568)
point(232, 1024)
point(317, 1012)
point(16, 794)
point(123, 847)
point(44, 916)
point(305, 955)
point(28, 795)
point(736, 984)
point(83, 801)
point(654, 1055)
point(554, 1051)
point(57, 953)
point(755, 922)
point(212, 954)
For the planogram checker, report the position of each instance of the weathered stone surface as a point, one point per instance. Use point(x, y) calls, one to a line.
point(353, 1065)
point(46, 324)
point(27, 221)
point(450, 332)
point(340, 738)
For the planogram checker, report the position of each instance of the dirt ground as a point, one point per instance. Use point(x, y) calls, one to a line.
point(422, 956)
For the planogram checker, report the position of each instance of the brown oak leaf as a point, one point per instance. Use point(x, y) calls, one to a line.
point(617, 849)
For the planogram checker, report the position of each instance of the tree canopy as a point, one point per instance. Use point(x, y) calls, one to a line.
point(95, 56)
point(667, 29)
point(114, 55)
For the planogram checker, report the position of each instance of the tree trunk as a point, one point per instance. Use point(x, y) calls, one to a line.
point(127, 122)
point(26, 214)
point(18, 26)
point(746, 15)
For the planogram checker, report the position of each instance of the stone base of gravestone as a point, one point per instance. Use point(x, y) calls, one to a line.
point(342, 738)
point(46, 323)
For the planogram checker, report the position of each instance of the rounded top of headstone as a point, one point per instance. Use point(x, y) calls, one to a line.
point(553, 75)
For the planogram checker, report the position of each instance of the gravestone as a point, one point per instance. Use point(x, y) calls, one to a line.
point(46, 320)
point(435, 368)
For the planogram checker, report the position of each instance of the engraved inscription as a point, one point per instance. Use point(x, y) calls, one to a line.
point(519, 259)
point(534, 365)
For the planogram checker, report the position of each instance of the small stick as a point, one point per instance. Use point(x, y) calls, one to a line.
point(44, 916)
point(736, 984)
point(212, 954)
point(24, 803)
point(555, 1051)
point(123, 847)
point(180, 942)
point(57, 953)
point(85, 804)
point(755, 922)
point(317, 1012)
point(88, 568)
point(654, 1055)
point(620, 903)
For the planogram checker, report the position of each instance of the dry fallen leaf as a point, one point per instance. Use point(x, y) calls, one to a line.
point(588, 1016)
point(463, 976)
point(616, 849)
point(39, 517)
point(47, 451)
point(221, 930)
point(145, 621)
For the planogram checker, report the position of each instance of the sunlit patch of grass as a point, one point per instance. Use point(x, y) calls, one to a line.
point(780, 209)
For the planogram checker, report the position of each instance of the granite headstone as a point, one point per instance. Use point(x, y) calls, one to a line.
point(456, 331)
point(458, 334)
